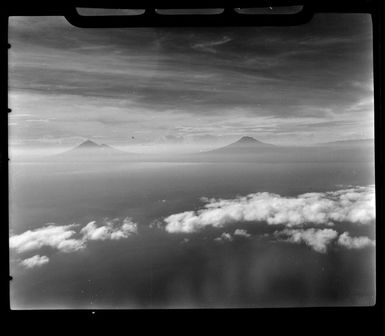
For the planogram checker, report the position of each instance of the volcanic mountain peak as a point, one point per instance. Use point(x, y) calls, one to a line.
point(245, 145)
point(247, 141)
point(88, 144)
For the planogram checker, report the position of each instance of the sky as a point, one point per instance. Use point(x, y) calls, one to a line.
point(189, 87)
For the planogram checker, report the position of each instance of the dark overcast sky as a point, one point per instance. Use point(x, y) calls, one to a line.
point(288, 85)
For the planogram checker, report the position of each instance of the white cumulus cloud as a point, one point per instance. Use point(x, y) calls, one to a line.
point(242, 233)
point(35, 261)
point(59, 237)
point(354, 205)
point(66, 239)
point(225, 236)
point(109, 231)
point(349, 242)
point(317, 239)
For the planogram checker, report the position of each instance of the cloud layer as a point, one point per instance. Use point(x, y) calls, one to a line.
point(354, 205)
point(35, 261)
point(57, 237)
point(191, 82)
point(354, 242)
point(92, 232)
point(65, 238)
point(225, 236)
point(317, 239)
point(242, 233)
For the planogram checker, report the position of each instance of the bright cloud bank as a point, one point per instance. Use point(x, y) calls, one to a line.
point(354, 205)
point(66, 238)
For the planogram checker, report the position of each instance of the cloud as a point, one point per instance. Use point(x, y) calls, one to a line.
point(354, 242)
point(317, 239)
point(173, 139)
point(58, 237)
point(92, 232)
point(35, 261)
point(354, 205)
point(225, 236)
point(65, 239)
point(182, 70)
point(242, 233)
point(209, 46)
point(185, 241)
point(156, 224)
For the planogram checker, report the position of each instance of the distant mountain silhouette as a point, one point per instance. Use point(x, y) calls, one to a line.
point(90, 151)
point(249, 149)
point(245, 149)
point(348, 143)
point(93, 146)
point(87, 144)
point(245, 144)
point(248, 141)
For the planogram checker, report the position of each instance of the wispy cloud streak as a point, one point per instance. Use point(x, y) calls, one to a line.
point(293, 72)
